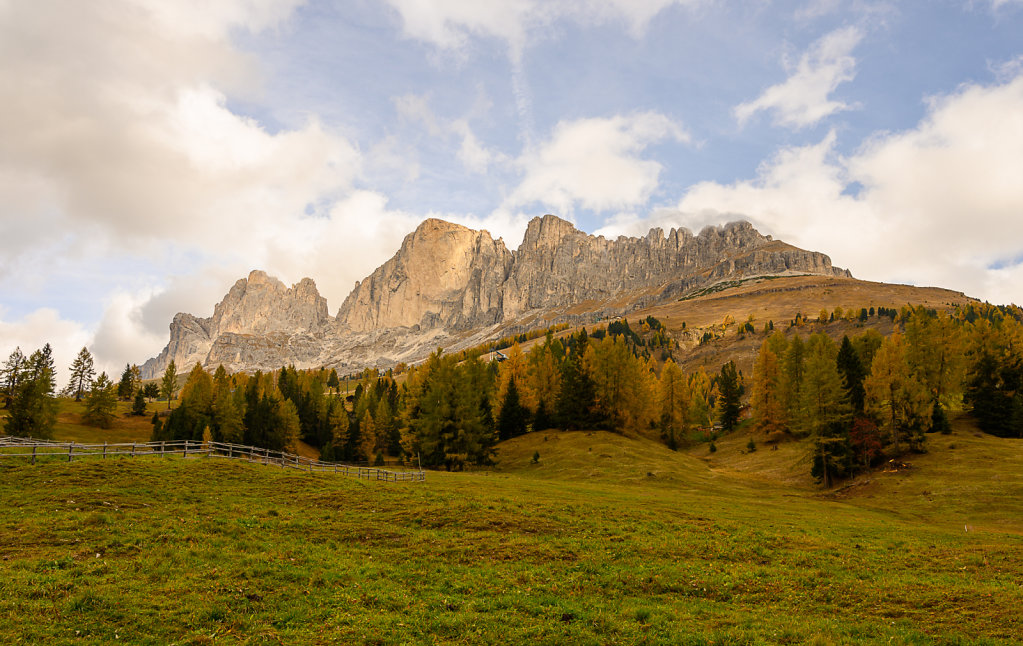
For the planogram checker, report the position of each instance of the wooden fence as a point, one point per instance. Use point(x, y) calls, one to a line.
point(37, 450)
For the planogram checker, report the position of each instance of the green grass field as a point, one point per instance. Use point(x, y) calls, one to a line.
point(604, 540)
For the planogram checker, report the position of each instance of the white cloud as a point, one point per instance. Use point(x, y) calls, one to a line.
point(803, 99)
point(452, 24)
point(595, 164)
point(118, 140)
point(939, 204)
point(38, 328)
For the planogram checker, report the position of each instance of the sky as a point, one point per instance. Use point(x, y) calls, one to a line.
point(152, 153)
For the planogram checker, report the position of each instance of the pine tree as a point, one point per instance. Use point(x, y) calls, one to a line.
point(511, 420)
point(101, 402)
point(125, 387)
point(33, 408)
point(82, 374)
point(853, 374)
point(576, 392)
point(729, 389)
point(167, 384)
point(138, 406)
point(10, 375)
point(701, 395)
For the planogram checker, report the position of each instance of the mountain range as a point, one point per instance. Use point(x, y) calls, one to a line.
point(455, 287)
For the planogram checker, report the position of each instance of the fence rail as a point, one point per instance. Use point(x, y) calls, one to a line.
point(35, 450)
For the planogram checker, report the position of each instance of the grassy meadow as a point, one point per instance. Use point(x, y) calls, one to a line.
point(603, 540)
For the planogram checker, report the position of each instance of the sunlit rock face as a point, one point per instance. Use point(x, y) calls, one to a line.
point(451, 284)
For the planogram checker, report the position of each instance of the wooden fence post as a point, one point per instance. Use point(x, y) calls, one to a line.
point(70, 448)
point(34, 454)
point(185, 454)
point(104, 449)
point(132, 449)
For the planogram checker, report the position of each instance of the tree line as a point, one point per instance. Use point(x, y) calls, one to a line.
point(28, 392)
point(861, 401)
point(874, 398)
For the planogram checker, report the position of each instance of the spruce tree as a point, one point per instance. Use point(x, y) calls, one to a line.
point(126, 386)
point(10, 375)
point(852, 372)
point(729, 390)
point(101, 402)
point(33, 408)
point(511, 420)
point(138, 406)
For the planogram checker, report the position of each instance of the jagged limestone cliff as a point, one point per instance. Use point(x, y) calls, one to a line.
point(446, 275)
point(449, 282)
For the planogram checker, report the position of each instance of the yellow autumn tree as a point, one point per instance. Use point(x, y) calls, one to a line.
point(515, 366)
point(896, 398)
point(544, 378)
point(766, 398)
point(622, 385)
point(701, 394)
point(675, 401)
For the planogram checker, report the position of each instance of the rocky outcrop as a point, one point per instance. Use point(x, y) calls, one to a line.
point(445, 275)
point(449, 283)
point(451, 277)
point(258, 311)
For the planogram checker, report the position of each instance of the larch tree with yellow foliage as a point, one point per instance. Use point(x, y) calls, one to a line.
point(766, 398)
point(622, 385)
point(897, 400)
point(675, 399)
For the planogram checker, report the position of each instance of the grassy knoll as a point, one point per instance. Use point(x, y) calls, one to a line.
point(561, 551)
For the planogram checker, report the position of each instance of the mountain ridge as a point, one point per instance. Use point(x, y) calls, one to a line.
point(449, 284)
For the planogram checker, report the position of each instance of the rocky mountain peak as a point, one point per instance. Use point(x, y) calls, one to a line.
point(547, 231)
point(447, 280)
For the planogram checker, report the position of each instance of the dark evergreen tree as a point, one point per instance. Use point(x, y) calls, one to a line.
point(542, 419)
point(512, 418)
point(730, 391)
point(33, 408)
point(82, 374)
point(138, 406)
point(10, 375)
point(126, 386)
point(151, 390)
point(853, 373)
point(101, 402)
point(993, 391)
point(577, 395)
